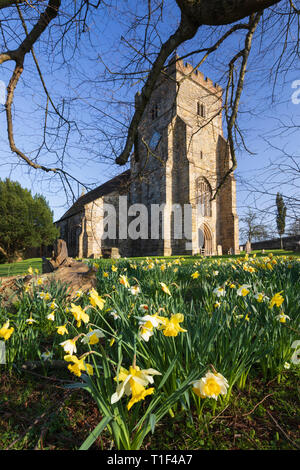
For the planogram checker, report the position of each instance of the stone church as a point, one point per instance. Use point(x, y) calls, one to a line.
point(180, 156)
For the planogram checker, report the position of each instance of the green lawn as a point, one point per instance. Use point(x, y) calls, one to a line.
point(21, 267)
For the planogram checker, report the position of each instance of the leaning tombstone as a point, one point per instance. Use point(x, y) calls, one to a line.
point(297, 247)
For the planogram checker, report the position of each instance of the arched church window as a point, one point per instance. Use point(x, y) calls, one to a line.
point(203, 194)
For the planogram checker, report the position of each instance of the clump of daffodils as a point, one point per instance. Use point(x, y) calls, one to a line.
point(211, 385)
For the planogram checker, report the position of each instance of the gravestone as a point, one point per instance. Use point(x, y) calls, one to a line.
point(297, 247)
point(248, 247)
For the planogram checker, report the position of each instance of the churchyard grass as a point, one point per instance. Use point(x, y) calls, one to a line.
point(21, 267)
point(164, 339)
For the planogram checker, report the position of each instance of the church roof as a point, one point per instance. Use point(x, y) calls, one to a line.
point(115, 184)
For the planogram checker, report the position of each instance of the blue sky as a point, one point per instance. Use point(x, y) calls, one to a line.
point(95, 104)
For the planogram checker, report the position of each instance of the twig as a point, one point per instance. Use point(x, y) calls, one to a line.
point(220, 415)
point(257, 404)
point(283, 432)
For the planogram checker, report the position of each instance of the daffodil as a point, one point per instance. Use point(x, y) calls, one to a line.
point(114, 268)
point(92, 337)
point(147, 324)
point(78, 294)
point(30, 270)
point(105, 274)
point(282, 317)
point(133, 382)
point(62, 330)
point(124, 281)
point(277, 300)
point(46, 356)
point(243, 290)
point(95, 299)
point(195, 275)
point(69, 345)
point(219, 291)
point(30, 320)
point(44, 295)
point(53, 305)
point(79, 314)
point(165, 288)
point(78, 366)
point(114, 315)
point(210, 386)
point(144, 308)
point(50, 316)
point(5, 331)
point(260, 297)
point(171, 326)
point(135, 290)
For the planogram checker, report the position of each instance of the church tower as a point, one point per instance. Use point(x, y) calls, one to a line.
point(179, 159)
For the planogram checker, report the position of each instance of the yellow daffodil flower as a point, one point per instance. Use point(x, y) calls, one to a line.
point(124, 281)
point(195, 275)
point(211, 386)
point(171, 326)
point(78, 366)
point(92, 337)
point(30, 320)
point(282, 317)
point(79, 314)
point(165, 289)
point(95, 299)
point(5, 331)
point(133, 382)
point(277, 300)
point(62, 330)
point(243, 290)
